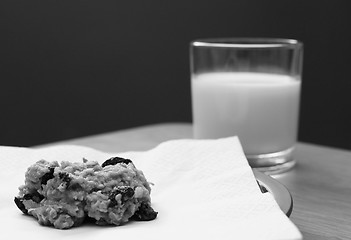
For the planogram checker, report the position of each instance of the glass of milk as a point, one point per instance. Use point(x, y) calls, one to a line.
point(250, 88)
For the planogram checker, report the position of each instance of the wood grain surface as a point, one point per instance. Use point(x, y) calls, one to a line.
point(320, 184)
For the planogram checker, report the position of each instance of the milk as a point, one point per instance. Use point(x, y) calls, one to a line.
point(262, 109)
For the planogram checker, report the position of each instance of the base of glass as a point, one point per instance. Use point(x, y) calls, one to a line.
point(273, 163)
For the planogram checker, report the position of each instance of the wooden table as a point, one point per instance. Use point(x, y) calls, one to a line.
point(320, 183)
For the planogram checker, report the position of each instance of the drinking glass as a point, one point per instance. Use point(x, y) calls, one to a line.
point(249, 87)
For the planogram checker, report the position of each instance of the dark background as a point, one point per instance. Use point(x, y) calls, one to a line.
point(70, 68)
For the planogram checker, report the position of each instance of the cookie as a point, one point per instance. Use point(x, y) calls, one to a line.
point(65, 194)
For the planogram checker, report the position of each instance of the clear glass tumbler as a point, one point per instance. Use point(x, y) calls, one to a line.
point(249, 87)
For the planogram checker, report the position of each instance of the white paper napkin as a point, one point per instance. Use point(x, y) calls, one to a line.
point(203, 189)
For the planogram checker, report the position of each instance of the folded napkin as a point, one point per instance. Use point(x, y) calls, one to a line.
point(203, 189)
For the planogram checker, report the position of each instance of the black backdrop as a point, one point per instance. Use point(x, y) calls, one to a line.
point(71, 68)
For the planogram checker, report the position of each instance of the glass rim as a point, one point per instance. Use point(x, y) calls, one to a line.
point(247, 42)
